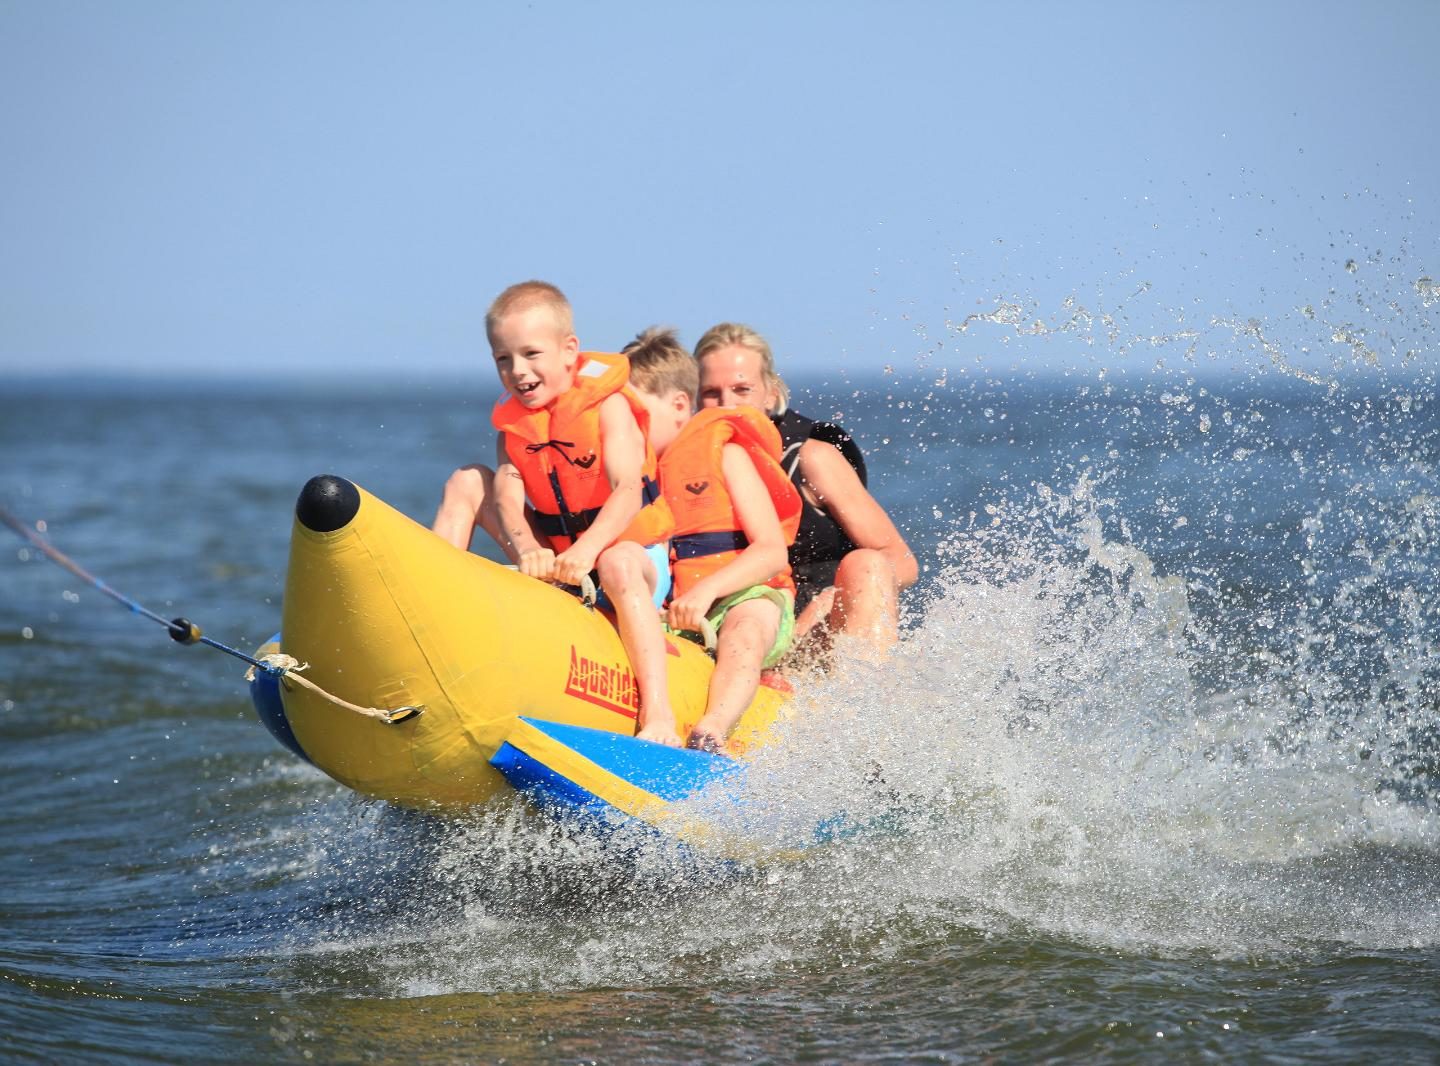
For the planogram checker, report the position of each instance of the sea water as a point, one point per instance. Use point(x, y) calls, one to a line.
point(1153, 775)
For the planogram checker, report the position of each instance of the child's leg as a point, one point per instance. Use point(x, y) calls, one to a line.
point(746, 636)
point(468, 501)
point(629, 578)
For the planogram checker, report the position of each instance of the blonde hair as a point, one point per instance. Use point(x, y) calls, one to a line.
point(660, 365)
point(525, 295)
point(728, 333)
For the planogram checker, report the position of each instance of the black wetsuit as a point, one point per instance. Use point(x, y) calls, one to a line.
point(821, 543)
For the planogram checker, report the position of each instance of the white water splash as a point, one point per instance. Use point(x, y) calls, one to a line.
point(1037, 759)
point(1069, 743)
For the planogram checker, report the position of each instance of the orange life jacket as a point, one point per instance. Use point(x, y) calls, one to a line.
point(707, 530)
point(556, 449)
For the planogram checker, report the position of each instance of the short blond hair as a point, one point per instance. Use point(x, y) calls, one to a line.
point(527, 294)
point(660, 365)
point(728, 333)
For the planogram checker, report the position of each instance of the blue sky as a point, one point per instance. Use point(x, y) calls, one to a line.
point(204, 188)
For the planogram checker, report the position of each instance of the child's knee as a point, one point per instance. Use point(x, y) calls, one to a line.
point(621, 563)
point(471, 483)
point(749, 628)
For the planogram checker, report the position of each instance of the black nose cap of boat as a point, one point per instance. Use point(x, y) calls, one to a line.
point(327, 503)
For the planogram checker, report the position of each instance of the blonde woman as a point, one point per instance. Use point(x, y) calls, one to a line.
point(849, 560)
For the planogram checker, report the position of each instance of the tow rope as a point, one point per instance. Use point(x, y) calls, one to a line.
point(183, 631)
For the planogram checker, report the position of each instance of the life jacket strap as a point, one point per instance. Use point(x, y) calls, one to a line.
point(560, 446)
point(572, 523)
point(695, 545)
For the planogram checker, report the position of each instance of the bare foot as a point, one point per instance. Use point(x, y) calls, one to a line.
point(702, 739)
point(660, 732)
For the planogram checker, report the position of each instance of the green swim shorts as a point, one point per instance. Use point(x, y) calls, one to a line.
point(782, 598)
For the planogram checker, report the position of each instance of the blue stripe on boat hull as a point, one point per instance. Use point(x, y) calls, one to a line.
point(265, 695)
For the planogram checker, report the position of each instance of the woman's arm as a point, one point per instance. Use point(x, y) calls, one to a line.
point(838, 491)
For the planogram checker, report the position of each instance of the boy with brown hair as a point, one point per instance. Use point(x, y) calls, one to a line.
point(735, 516)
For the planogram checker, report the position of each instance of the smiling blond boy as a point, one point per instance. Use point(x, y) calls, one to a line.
point(572, 442)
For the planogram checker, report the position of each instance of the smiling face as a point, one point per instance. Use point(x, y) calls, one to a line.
point(732, 376)
point(534, 355)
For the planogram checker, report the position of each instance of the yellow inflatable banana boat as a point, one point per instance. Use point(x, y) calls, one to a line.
point(388, 615)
